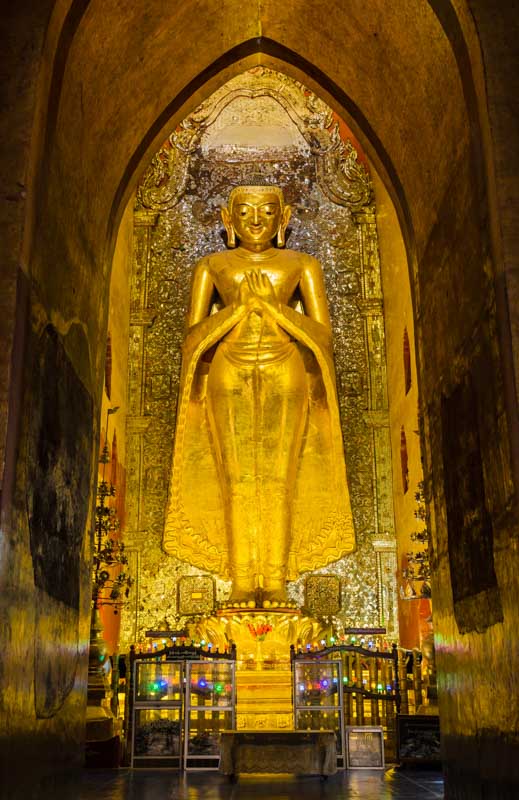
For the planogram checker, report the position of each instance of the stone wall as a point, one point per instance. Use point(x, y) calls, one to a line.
point(469, 481)
point(115, 398)
point(46, 372)
point(403, 410)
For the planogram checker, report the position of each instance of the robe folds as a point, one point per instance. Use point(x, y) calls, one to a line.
point(321, 519)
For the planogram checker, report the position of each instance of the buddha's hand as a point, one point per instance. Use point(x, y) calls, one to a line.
point(260, 287)
point(246, 299)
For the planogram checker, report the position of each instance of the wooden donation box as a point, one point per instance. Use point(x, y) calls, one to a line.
point(298, 752)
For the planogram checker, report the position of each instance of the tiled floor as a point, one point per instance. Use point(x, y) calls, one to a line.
point(393, 784)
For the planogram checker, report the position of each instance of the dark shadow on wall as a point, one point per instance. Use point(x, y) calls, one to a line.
point(58, 461)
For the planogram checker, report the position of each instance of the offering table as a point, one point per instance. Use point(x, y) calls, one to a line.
point(298, 752)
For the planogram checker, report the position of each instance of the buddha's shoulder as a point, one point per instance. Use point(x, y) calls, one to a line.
point(213, 261)
point(305, 259)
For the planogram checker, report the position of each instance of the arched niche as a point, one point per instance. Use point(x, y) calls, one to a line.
point(263, 122)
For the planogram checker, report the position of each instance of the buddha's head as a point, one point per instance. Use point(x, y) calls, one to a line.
point(256, 215)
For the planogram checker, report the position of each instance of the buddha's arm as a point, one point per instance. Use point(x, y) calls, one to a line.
point(315, 323)
point(201, 293)
point(302, 327)
point(205, 329)
point(313, 293)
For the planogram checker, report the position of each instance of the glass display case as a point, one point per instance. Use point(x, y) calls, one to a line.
point(157, 714)
point(210, 709)
point(318, 699)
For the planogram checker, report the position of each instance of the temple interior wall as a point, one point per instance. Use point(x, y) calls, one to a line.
point(115, 396)
point(403, 408)
point(441, 134)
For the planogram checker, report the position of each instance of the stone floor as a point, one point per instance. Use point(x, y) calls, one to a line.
point(124, 784)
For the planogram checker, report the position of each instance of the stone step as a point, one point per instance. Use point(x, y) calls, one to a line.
point(255, 708)
point(265, 688)
point(262, 678)
point(264, 698)
point(254, 697)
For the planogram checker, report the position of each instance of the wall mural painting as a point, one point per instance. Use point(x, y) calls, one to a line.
point(470, 530)
point(266, 125)
point(59, 460)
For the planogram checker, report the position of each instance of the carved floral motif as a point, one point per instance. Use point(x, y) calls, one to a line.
point(342, 177)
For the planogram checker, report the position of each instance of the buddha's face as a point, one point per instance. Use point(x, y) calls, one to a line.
point(256, 218)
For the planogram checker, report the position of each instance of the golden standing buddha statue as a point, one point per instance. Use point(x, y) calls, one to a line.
point(258, 490)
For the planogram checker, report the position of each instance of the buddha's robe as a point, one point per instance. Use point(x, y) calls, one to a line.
point(258, 480)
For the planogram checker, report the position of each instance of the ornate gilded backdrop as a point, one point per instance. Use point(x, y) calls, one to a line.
point(261, 122)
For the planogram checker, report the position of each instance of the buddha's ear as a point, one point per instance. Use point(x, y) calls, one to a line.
point(226, 219)
point(280, 239)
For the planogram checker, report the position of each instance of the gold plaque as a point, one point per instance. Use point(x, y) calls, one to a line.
point(196, 594)
point(322, 595)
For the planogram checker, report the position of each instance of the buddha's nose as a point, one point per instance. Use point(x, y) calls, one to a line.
point(255, 218)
